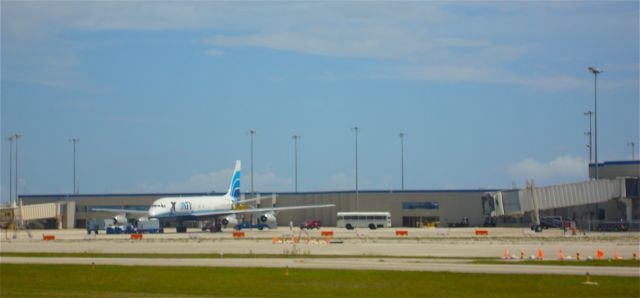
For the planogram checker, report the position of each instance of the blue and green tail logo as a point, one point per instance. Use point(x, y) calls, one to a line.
point(234, 187)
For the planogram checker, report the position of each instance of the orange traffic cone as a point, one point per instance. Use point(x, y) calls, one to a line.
point(505, 255)
point(599, 254)
point(577, 256)
point(540, 254)
point(635, 256)
point(561, 255)
point(521, 254)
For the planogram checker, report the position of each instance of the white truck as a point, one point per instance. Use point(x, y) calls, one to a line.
point(146, 225)
point(96, 224)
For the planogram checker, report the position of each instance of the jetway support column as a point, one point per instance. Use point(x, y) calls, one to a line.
point(21, 212)
point(58, 216)
point(627, 203)
point(536, 210)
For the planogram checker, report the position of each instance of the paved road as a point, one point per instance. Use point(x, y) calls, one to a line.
point(331, 263)
point(355, 247)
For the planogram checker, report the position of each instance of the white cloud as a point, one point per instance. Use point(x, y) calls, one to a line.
point(562, 167)
point(424, 40)
point(265, 182)
point(488, 75)
point(213, 181)
point(218, 181)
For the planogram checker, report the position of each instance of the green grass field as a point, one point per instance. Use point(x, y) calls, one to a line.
point(135, 281)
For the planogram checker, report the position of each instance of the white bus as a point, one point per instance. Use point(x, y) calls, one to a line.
point(371, 220)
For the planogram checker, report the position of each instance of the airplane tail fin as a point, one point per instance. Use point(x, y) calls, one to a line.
point(234, 187)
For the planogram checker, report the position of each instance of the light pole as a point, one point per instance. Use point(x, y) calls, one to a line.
point(633, 150)
point(589, 134)
point(402, 157)
point(295, 149)
point(252, 132)
point(595, 72)
point(10, 168)
point(16, 136)
point(74, 141)
point(355, 129)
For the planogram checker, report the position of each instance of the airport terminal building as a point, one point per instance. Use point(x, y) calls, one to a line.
point(409, 208)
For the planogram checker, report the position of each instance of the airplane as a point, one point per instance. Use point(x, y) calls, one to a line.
point(207, 207)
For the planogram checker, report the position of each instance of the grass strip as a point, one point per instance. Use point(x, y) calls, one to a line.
point(21, 280)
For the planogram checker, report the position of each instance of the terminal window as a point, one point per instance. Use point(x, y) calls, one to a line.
point(420, 205)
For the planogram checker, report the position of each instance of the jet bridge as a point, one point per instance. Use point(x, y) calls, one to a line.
point(533, 199)
point(63, 212)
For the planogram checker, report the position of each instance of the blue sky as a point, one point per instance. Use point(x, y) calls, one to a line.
point(162, 94)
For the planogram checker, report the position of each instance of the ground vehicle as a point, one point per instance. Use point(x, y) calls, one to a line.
point(124, 229)
point(489, 222)
point(95, 225)
point(463, 223)
point(371, 220)
point(311, 224)
point(212, 226)
point(248, 225)
point(551, 222)
point(148, 226)
point(613, 226)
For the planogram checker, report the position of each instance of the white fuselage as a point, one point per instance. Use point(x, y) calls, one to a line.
point(187, 206)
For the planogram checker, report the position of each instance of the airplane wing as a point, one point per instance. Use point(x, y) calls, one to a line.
point(261, 210)
point(130, 211)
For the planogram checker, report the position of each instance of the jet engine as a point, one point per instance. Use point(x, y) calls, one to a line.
point(120, 220)
point(230, 221)
point(268, 218)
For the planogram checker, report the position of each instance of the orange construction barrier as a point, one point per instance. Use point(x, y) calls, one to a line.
point(238, 234)
point(561, 255)
point(540, 254)
point(402, 233)
point(296, 239)
point(482, 232)
point(48, 237)
point(136, 236)
point(275, 239)
point(599, 254)
point(326, 233)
